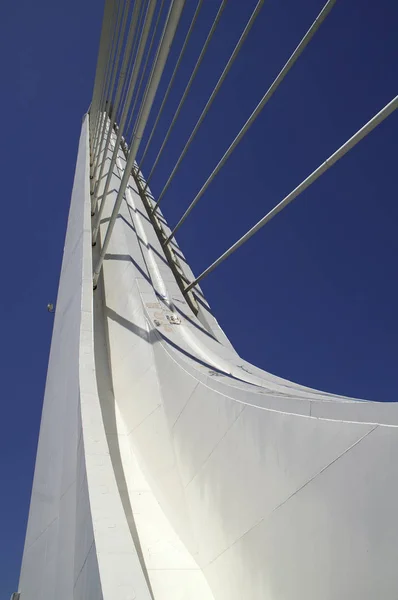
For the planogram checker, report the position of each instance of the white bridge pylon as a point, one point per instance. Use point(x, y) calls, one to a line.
point(168, 467)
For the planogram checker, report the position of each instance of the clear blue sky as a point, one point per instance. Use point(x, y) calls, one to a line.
point(312, 297)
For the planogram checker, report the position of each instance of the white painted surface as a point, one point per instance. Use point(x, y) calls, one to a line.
point(78, 542)
point(167, 463)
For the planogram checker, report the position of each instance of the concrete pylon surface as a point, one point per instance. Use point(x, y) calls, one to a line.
point(168, 468)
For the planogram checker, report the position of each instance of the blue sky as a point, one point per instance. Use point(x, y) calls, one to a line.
point(312, 297)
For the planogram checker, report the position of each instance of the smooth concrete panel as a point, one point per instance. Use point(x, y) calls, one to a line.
point(78, 542)
point(246, 446)
point(332, 536)
point(48, 572)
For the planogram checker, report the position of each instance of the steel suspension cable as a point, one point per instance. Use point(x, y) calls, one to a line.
point(214, 93)
point(293, 58)
point(95, 107)
point(133, 80)
point(157, 71)
point(133, 54)
point(116, 92)
point(122, 76)
point(110, 95)
point(103, 54)
point(153, 37)
point(173, 76)
point(105, 90)
point(107, 84)
point(188, 87)
point(329, 162)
